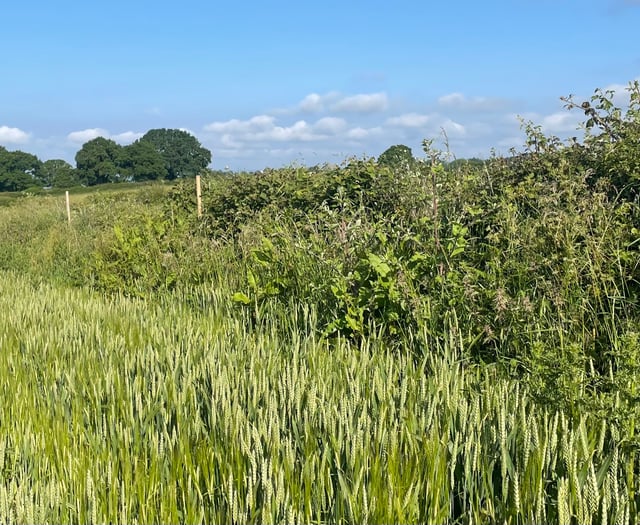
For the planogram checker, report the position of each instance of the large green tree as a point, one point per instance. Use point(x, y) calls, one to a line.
point(58, 173)
point(98, 162)
point(18, 170)
point(141, 161)
point(397, 157)
point(182, 153)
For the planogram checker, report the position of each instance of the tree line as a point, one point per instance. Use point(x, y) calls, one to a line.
point(159, 154)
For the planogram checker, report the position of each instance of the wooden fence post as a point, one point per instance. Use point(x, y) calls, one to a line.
point(199, 195)
point(66, 195)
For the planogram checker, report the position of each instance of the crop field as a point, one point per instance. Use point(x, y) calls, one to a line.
point(397, 340)
point(120, 411)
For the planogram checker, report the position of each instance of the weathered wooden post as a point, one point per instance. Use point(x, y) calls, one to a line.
point(199, 195)
point(66, 195)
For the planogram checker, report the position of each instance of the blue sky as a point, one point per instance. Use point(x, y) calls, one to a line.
point(276, 82)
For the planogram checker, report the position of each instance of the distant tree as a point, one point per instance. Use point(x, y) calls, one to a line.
point(58, 174)
point(97, 162)
point(466, 163)
point(15, 181)
point(141, 161)
point(397, 157)
point(182, 153)
point(18, 170)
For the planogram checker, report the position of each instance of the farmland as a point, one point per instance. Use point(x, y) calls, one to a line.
point(393, 341)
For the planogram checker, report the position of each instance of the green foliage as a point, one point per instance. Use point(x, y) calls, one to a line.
point(141, 161)
point(181, 152)
point(461, 164)
point(97, 162)
point(18, 170)
point(231, 201)
point(369, 293)
point(15, 181)
point(398, 157)
point(526, 268)
point(133, 261)
point(58, 173)
point(611, 146)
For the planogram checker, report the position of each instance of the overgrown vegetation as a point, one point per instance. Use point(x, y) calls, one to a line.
point(400, 340)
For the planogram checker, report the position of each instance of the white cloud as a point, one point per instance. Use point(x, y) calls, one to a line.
point(300, 130)
point(86, 135)
point(452, 99)
point(229, 142)
point(335, 101)
point(409, 120)
point(364, 103)
point(127, 137)
point(454, 129)
point(561, 121)
point(315, 103)
point(330, 125)
point(621, 91)
point(359, 133)
point(254, 124)
point(558, 122)
point(458, 101)
point(312, 102)
point(13, 135)
point(264, 128)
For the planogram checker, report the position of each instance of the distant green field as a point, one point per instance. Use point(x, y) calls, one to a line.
point(7, 198)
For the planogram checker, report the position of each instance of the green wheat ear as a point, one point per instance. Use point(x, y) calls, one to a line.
point(124, 410)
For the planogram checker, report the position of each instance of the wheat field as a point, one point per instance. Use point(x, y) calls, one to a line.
point(124, 411)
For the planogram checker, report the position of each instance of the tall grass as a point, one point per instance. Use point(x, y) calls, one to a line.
point(129, 411)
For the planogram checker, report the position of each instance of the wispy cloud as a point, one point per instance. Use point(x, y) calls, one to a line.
point(337, 102)
point(315, 103)
point(252, 125)
point(556, 123)
point(13, 135)
point(359, 133)
point(369, 103)
point(409, 120)
point(85, 135)
point(454, 129)
point(127, 137)
point(560, 122)
point(331, 125)
point(265, 128)
point(460, 102)
point(620, 91)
